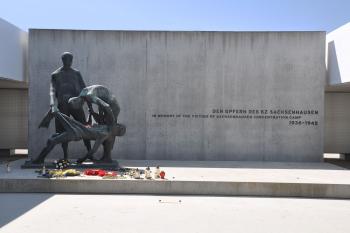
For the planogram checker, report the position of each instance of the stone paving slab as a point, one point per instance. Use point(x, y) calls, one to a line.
point(57, 213)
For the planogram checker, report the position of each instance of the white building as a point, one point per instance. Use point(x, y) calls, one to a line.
point(13, 87)
point(337, 98)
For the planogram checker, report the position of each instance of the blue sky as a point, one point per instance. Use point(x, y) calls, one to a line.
point(214, 15)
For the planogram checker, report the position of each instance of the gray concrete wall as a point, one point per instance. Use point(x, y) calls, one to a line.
point(192, 73)
point(13, 118)
point(337, 123)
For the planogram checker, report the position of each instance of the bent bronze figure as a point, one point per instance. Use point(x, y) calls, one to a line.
point(75, 131)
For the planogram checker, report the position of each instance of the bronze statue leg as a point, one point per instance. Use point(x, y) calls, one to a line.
point(60, 130)
point(79, 115)
point(51, 143)
point(65, 150)
point(90, 153)
point(107, 149)
point(64, 108)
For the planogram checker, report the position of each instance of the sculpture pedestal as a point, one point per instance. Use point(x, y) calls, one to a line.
point(86, 165)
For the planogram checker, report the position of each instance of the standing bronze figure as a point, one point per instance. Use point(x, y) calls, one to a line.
point(66, 83)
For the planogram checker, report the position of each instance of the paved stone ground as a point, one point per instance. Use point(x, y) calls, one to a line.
point(42, 213)
point(11, 158)
point(4, 158)
point(322, 173)
point(339, 162)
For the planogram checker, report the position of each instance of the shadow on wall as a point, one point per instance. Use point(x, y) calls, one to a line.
point(15, 205)
point(333, 72)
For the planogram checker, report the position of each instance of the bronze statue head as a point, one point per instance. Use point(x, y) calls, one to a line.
point(118, 130)
point(67, 59)
point(76, 102)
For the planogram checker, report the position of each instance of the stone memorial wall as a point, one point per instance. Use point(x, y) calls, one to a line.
point(194, 95)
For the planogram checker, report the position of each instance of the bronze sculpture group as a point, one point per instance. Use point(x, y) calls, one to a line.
point(68, 93)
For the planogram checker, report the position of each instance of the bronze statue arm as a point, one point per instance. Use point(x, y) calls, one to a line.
point(104, 105)
point(53, 101)
point(82, 86)
point(91, 113)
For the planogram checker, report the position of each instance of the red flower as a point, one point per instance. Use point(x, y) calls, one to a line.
point(92, 172)
point(88, 172)
point(162, 174)
point(101, 173)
